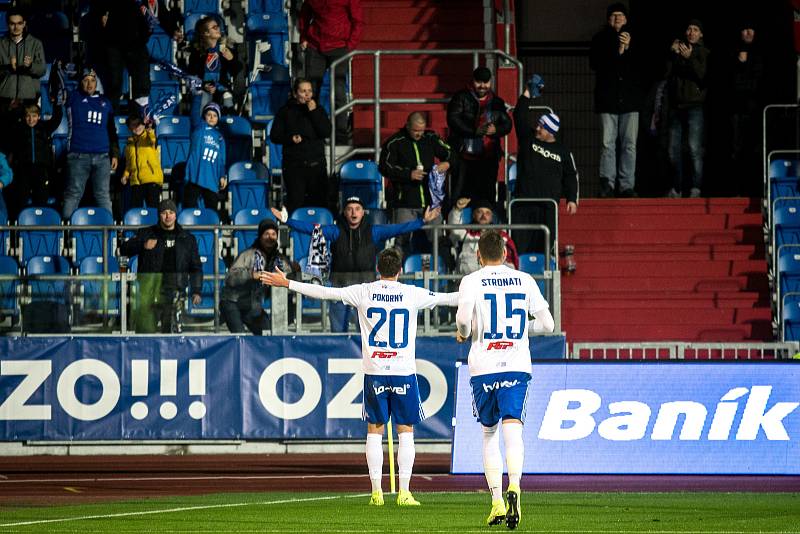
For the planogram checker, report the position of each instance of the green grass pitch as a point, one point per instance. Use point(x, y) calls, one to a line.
point(441, 512)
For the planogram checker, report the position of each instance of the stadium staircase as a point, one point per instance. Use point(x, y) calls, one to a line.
point(416, 25)
point(664, 269)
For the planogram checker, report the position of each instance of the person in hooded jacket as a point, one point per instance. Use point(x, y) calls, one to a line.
point(301, 127)
point(142, 164)
point(205, 168)
point(243, 294)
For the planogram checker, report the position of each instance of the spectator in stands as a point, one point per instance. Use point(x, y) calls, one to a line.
point(328, 31)
point(618, 96)
point(467, 240)
point(546, 171)
point(243, 295)
point(22, 64)
point(745, 70)
point(93, 151)
point(214, 61)
point(6, 177)
point(168, 262)
point(477, 119)
point(302, 126)
point(32, 160)
point(353, 244)
point(205, 167)
point(406, 159)
point(118, 35)
point(142, 164)
point(686, 84)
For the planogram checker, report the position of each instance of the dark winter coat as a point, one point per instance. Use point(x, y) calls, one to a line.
point(462, 118)
point(313, 126)
point(399, 160)
point(687, 78)
point(618, 86)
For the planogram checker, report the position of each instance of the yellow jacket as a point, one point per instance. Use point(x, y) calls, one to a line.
point(142, 160)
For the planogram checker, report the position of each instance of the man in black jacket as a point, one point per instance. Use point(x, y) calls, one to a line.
point(406, 159)
point(478, 120)
point(168, 255)
point(617, 99)
point(546, 170)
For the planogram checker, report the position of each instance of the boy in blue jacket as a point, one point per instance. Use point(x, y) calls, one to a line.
point(205, 168)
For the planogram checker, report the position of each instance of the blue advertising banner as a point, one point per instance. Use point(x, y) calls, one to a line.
point(660, 418)
point(221, 387)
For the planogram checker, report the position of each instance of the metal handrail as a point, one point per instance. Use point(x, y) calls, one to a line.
point(377, 100)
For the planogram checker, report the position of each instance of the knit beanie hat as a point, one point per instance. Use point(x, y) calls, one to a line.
point(167, 204)
point(212, 106)
point(617, 7)
point(550, 122)
point(482, 74)
point(695, 22)
point(266, 224)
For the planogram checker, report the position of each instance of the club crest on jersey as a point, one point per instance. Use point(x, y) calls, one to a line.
point(384, 354)
point(212, 62)
point(499, 345)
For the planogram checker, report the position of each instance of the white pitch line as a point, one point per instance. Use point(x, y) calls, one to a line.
point(181, 509)
point(476, 530)
point(162, 479)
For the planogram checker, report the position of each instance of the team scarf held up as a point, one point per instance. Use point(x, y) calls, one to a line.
point(319, 256)
point(436, 186)
point(194, 83)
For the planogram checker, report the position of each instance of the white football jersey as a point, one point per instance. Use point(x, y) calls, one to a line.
point(496, 302)
point(387, 314)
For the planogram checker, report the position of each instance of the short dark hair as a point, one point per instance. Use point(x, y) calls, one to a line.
point(491, 245)
point(16, 12)
point(133, 122)
point(298, 81)
point(390, 261)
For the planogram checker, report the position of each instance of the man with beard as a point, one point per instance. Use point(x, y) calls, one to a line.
point(243, 293)
point(477, 119)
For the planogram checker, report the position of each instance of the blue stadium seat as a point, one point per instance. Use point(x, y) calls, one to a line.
point(247, 170)
point(159, 73)
point(784, 187)
point(245, 238)
point(266, 97)
point(161, 47)
point(202, 6)
point(9, 289)
point(174, 140)
point(275, 154)
point(92, 290)
point(123, 132)
point(206, 306)
point(417, 263)
point(48, 290)
point(786, 222)
point(61, 139)
point(257, 7)
point(313, 215)
point(139, 217)
point(377, 216)
point(533, 264)
point(274, 27)
point(791, 317)
point(248, 194)
point(782, 168)
point(90, 242)
point(512, 178)
point(238, 134)
point(39, 242)
point(361, 178)
point(200, 216)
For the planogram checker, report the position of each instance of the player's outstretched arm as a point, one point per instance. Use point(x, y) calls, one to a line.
point(543, 321)
point(314, 291)
point(447, 299)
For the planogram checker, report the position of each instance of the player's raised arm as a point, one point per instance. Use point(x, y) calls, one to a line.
point(314, 291)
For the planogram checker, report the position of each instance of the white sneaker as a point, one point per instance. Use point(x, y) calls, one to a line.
point(673, 194)
point(694, 193)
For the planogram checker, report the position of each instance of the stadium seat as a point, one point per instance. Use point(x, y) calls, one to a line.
point(90, 242)
point(418, 263)
point(48, 290)
point(247, 170)
point(139, 217)
point(92, 290)
point(312, 215)
point(512, 178)
point(202, 6)
point(273, 27)
point(200, 216)
point(786, 222)
point(39, 242)
point(783, 168)
point(275, 154)
point(257, 7)
point(61, 139)
point(123, 132)
point(161, 47)
point(174, 139)
point(377, 216)
point(533, 264)
point(251, 216)
point(791, 317)
point(206, 306)
point(361, 178)
point(248, 194)
point(269, 93)
point(9, 289)
point(238, 134)
point(159, 73)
